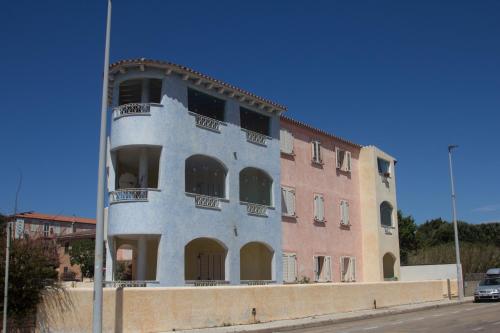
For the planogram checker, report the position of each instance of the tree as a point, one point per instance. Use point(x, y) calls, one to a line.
point(32, 269)
point(407, 236)
point(82, 253)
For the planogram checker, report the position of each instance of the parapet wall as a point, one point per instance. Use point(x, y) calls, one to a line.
point(166, 309)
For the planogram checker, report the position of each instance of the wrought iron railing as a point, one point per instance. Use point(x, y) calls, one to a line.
point(207, 283)
point(257, 282)
point(206, 201)
point(131, 109)
point(132, 283)
point(129, 194)
point(256, 209)
point(207, 122)
point(256, 138)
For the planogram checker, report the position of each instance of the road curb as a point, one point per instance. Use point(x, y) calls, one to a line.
point(318, 322)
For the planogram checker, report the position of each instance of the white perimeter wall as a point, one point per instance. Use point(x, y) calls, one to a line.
point(428, 272)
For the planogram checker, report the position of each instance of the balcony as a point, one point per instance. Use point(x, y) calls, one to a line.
point(128, 195)
point(256, 138)
point(131, 109)
point(256, 209)
point(207, 283)
point(205, 201)
point(207, 122)
point(257, 282)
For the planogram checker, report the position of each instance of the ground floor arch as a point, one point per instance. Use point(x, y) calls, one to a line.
point(389, 261)
point(256, 260)
point(135, 257)
point(205, 259)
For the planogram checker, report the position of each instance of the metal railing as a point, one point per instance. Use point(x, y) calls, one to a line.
point(255, 137)
point(131, 109)
point(206, 122)
point(256, 209)
point(207, 283)
point(128, 194)
point(131, 283)
point(257, 282)
point(206, 201)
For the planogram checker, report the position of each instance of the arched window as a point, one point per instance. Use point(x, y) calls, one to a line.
point(386, 214)
point(388, 262)
point(204, 259)
point(255, 186)
point(256, 261)
point(206, 176)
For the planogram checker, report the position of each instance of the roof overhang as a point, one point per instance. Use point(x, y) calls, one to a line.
point(196, 78)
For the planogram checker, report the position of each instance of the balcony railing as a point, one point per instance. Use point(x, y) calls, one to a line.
point(257, 138)
point(131, 109)
point(207, 283)
point(205, 201)
point(132, 283)
point(127, 195)
point(206, 122)
point(256, 209)
point(257, 282)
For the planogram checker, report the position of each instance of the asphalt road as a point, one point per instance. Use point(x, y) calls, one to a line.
point(469, 317)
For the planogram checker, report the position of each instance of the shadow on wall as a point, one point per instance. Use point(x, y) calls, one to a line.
point(50, 306)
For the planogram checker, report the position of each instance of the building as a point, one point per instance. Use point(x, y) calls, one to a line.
point(210, 184)
point(61, 229)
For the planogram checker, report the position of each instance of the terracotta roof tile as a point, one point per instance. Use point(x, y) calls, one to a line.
point(58, 218)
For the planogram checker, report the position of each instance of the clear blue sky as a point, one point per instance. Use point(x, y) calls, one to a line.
point(408, 76)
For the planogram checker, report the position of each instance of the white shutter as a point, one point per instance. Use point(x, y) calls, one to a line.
point(348, 161)
point(346, 215)
point(321, 208)
point(292, 268)
point(339, 157)
point(286, 141)
point(285, 268)
point(284, 201)
point(353, 269)
point(318, 154)
point(328, 267)
point(313, 151)
point(291, 202)
point(316, 207)
point(344, 212)
point(290, 142)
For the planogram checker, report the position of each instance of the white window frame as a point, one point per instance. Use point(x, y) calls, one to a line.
point(344, 164)
point(287, 259)
point(286, 142)
point(316, 152)
point(287, 192)
point(345, 218)
point(350, 274)
point(387, 174)
point(319, 207)
point(326, 272)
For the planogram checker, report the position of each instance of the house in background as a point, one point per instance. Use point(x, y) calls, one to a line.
point(211, 184)
point(61, 229)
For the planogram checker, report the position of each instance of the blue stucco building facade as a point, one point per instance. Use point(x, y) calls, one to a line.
point(175, 230)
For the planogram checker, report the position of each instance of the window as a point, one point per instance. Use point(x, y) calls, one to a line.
point(206, 105)
point(344, 213)
point(206, 176)
point(33, 227)
point(140, 91)
point(137, 167)
point(386, 214)
point(286, 141)
point(322, 268)
point(343, 160)
point(254, 121)
point(46, 230)
point(255, 186)
point(347, 269)
point(288, 201)
point(316, 152)
point(319, 208)
point(384, 167)
point(289, 267)
point(57, 229)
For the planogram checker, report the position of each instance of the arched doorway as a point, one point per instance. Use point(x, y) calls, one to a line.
point(205, 259)
point(256, 261)
point(388, 262)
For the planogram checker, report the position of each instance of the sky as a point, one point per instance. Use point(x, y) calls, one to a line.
point(410, 77)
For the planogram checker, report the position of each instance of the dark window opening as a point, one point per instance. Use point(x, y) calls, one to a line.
point(131, 173)
point(384, 166)
point(131, 91)
point(254, 121)
point(206, 105)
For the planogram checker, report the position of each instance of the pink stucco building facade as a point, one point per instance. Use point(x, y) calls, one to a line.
point(327, 241)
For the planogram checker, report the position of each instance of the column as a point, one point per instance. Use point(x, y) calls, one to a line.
point(143, 168)
point(145, 91)
point(141, 258)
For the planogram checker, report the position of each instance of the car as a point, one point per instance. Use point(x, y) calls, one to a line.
point(493, 272)
point(488, 289)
